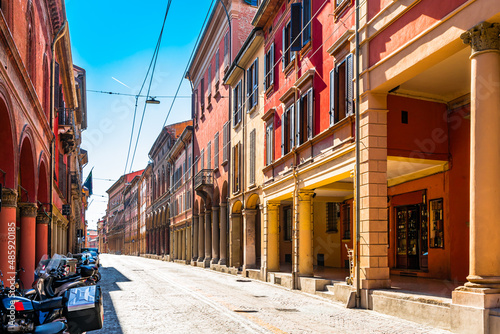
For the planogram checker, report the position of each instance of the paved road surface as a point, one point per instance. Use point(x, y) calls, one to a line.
point(150, 296)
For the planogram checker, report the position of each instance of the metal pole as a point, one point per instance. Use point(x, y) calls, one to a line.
point(358, 169)
point(57, 37)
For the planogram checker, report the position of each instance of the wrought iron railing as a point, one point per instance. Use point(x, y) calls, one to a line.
point(205, 177)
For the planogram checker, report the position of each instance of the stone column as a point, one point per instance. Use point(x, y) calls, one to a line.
point(27, 244)
point(189, 249)
point(60, 241)
point(158, 248)
point(273, 237)
point(223, 234)
point(482, 291)
point(235, 240)
point(249, 255)
point(208, 238)
point(215, 234)
point(8, 231)
point(305, 233)
point(201, 237)
point(64, 240)
point(42, 235)
point(374, 268)
point(195, 237)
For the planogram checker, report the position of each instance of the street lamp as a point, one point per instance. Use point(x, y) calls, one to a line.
point(152, 100)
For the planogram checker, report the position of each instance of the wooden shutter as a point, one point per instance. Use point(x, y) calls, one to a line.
point(271, 69)
point(310, 114)
point(209, 155)
point(332, 96)
point(235, 105)
point(291, 115)
point(267, 60)
point(217, 63)
point(283, 125)
point(202, 157)
point(216, 151)
point(252, 157)
point(296, 27)
point(349, 85)
point(283, 48)
point(255, 92)
point(249, 87)
point(225, 142)
point(240, 98)
point(297, 119)
point(209, 81)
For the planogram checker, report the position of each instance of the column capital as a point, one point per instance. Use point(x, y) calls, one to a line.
point(42, 218)
point(28, 209)
point(223, 205)
point(215, 208)
point(306, 195)
point(9, 198)
point(249, 212)
point(483, 37)
point(273, 206)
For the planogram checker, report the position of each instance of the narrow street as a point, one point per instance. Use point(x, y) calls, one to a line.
point(150, 296)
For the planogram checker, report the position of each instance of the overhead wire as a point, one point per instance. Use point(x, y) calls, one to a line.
point(189, 62)
point(137, 95)
point(155, 57)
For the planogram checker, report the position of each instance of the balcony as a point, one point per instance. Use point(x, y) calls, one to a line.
point(204, 183)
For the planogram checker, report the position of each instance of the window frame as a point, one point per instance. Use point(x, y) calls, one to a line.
point(348, 88)
point(269, 68)
point(287, 54)
point(269, 143)
point(253, 85)
point(237, 103)
point(287, 224)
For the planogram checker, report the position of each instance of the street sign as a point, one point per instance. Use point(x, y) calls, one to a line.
point(66, 210)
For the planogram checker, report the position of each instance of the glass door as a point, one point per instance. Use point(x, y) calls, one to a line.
point(408, 237)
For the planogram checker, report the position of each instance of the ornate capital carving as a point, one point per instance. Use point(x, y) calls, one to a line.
point(272, 206)
point(9, 198)
point(483, 37)
point(28, 209)
point(306, 195)
point(42, 218)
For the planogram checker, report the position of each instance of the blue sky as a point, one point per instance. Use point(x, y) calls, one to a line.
point(112, 39)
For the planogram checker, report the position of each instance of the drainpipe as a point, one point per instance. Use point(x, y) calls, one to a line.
point(62, 31)
point(295, 219)
point(358, 169)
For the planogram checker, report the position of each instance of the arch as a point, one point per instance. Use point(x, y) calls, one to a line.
point(253, 201)
point(216, 197)
point(27, 176)
point(196, 207)
point(223, 198)
point(237, 206)
point(8, 163)
point(43, 182)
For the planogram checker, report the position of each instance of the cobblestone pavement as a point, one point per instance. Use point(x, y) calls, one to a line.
point(150, 296)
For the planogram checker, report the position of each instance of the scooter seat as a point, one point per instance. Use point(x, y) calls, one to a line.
point(49, 304)
point(51, 328)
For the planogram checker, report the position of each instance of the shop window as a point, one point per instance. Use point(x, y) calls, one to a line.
point(436, 223)
point(269, 68)
point(341, 90)
point(253, 85)
point(332, 217)
point(287, 212)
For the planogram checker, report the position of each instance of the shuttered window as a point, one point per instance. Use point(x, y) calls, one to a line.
point(202, 159)
point(342, 90)
point(209, 81)
point(237, 168)
point(305, 118)
point(225, 142)
point(202, 96)
point(306, 22)
point(226, 50)
point(288, 55)
point(217, 63)
point(269, 143)
point(252, 157)
point(209, 155)
point(269, 68)
point(237, 104)
point(253, 84)
point(216, 151)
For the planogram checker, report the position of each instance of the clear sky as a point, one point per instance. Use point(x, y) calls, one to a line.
point(115, 40)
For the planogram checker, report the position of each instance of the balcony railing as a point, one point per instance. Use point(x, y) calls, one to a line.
point(205, 177)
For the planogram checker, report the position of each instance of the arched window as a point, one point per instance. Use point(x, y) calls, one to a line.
point(31, 44)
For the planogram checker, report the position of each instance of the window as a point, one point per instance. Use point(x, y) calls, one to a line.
point(341, 91)
point(188, 200)
point(226, 50)
point(436, 223)
point(287, 126)
point(287, 213)
point(305, 118)
point(225, 143)
point(237, 168)
point(209, 81)
point(269, 143)
point(217, 56)
point(252, 157)
point(288, 55)
point(253, 84)
point(202, 95)
point(269, 68)
point(209, 155)
point(346, 221)
point(237, 104)
point(306, 22)
point(189, 165)
point(332, 216)
point(216, 151)
point(202, 159)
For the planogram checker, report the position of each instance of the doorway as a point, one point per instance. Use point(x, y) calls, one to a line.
point(408, 237)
